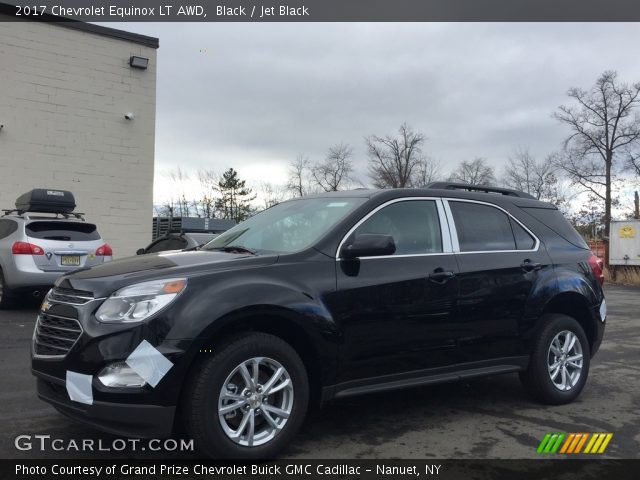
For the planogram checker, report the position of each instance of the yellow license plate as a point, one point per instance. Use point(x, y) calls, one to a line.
point(70, 260)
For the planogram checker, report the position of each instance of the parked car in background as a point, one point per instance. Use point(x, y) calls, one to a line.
point(177, 241)
point(41, 239)
point(324, 297)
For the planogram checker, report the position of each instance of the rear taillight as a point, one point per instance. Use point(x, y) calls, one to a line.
point(26, 248)
point(104, 251)
point(597, 266)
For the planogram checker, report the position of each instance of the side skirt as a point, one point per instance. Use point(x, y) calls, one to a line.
point(420, 378)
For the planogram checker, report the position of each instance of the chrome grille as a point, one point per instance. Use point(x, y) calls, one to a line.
point(67, 295)
point(54, 335)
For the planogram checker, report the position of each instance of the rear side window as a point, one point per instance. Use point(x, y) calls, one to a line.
point(7, 227)
point(553, 219)
point(413, 224)
point(64, 231)
point(482, 228)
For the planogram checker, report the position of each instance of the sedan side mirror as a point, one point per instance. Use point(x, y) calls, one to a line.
point(369, 245)
point(140, 251)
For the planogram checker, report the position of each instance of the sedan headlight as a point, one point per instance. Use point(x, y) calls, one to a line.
point(138, 302)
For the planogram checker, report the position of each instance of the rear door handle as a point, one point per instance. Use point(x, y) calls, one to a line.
point(440, 276)
point(529, 266)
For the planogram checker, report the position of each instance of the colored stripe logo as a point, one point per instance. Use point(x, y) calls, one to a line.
point(569, 443)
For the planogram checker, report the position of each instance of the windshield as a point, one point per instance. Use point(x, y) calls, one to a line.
point(288, 227)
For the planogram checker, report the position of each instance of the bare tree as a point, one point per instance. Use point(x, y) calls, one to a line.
point(180, 205)
point(605, 128)
point(209, 180)
point(536, 177)
point(298, 181)
point(272, 194)
point(393, 160)
point(427, 170)
point(475, 172)
point(335, 170)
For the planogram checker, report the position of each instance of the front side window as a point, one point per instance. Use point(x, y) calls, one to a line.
point(482, 227)
point(413, 224)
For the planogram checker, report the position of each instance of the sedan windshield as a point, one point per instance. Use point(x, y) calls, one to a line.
point(287, 227)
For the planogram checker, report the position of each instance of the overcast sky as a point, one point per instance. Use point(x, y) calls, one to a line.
point(252, 96)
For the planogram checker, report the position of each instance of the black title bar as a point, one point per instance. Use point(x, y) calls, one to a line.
point(324, 10)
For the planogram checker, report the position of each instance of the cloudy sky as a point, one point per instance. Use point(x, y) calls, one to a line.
point(252, 96)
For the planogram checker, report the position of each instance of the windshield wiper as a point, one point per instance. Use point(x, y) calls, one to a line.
point(235, 249)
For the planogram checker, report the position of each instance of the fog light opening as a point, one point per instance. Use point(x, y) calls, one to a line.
point(120, 375)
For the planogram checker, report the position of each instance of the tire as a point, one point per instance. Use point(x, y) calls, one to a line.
point(204, 397)
point(6, 299)
point(549, 358)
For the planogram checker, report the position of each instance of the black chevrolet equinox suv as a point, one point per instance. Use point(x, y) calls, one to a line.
point(320, 298)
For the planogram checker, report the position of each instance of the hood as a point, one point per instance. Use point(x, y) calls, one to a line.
point(104, 279)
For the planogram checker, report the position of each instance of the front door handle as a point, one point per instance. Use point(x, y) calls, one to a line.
point(441, 276)
point(529, 266)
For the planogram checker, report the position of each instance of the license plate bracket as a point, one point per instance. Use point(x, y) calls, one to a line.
point(70, 260)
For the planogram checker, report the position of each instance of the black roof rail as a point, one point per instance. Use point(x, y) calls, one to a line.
point(479, 188)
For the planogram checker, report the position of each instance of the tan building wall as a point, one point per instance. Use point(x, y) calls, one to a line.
point(63, 96)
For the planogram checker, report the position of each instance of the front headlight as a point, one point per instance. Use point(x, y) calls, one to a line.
point(137, 302)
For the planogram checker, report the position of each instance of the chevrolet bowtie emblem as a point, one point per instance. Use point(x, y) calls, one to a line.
point(45, 306)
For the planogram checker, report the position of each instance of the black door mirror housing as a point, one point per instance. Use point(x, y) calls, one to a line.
point(140, 251)
point(369, 245)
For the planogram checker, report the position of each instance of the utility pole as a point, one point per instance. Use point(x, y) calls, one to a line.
point(636, 211)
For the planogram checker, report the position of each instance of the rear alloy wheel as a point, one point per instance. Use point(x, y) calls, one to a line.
point(559, 363)
point(565, 360)
point(248, 400)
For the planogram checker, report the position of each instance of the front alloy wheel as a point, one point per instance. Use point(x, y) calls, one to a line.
point(248, 399)
point(255, 401)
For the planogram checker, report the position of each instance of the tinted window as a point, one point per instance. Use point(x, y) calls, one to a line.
point(481, 227)
point(524, 241)
point(7, 227)
point(65, 231)
point(553, 219)
point(174, 243)
point(414, 225)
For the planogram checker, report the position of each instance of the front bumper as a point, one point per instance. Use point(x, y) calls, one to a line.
point(134, 411)
point(122, 419)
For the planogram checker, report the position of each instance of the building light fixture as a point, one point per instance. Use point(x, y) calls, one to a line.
point(138, 62)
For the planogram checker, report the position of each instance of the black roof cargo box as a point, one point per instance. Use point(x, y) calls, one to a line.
point(44, 200)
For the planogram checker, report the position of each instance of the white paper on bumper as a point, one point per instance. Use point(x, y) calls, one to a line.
point(603, 311)
point(79, 387)
point(149, 363)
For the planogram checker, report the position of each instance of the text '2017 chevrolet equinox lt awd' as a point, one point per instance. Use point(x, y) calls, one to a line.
point(319, 298)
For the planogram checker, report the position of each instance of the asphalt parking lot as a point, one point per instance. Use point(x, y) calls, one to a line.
point(490, 418)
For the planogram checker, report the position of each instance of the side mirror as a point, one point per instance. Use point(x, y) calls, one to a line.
point(369, 245)
point(140, 251)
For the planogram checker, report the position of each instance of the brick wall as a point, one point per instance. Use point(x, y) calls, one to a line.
point(63, 96)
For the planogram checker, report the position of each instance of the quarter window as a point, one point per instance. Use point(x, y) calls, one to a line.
point(482, 227)
point(413, 224)
point(524, 241)
point(7, 227)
